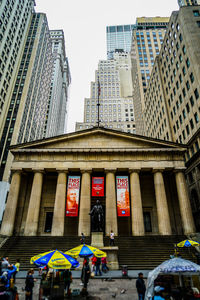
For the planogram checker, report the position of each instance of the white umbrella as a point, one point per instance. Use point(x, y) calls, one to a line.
point(175, 265)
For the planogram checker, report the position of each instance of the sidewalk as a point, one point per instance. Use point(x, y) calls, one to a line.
point(111, 274)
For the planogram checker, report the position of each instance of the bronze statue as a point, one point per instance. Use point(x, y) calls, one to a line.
point(97, 217)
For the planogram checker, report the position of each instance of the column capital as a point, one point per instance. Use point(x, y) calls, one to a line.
point(110, 171)
point(156, 170)
point(179, 169)
point(86, 171)
point(19, 171)
point(60, 170)
point(134, 171)
point(38, 170)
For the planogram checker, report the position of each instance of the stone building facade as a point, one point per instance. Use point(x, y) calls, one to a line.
point(159, 202)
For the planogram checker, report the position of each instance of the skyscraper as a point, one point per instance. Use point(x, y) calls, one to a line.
point(28, 71)
point(146, 43)
point(172, 109)
point(60, 81)
point(119, 38)
point(188, 2)
point(116, 102)
point(15, 18)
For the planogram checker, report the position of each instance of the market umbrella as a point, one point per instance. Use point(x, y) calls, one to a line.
point(85, 251)
point(55, 259)
point(187, 243)
point(175, 265)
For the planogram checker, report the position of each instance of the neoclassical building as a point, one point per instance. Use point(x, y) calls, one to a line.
point(156, 192)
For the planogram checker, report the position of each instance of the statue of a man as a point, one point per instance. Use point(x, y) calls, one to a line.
point(97, 217)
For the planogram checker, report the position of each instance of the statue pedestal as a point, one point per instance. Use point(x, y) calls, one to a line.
point(112, 252)
point(97, 239)
point(112, 257)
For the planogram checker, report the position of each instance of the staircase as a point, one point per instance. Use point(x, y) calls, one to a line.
point(25, 247)
point(139, 253)
point(147, 252)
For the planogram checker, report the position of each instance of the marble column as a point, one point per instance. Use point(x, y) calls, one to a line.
point(161, 203)
point(111, 204)
point(85, 204)
point(32, 219)
point(59, 206)
point(136, 204)
point(184, 203)
point(11, 205)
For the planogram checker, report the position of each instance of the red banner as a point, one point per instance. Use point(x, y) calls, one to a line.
point(73, 189)
point(123, 203)
point(97, 186)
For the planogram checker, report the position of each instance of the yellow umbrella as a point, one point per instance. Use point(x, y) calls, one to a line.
point(187, 243)
point(55, 259)
point(85, 251)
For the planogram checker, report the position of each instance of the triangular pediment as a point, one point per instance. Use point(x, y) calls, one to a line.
point(99, 138)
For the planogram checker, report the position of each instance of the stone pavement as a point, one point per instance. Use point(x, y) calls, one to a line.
point(98, 289)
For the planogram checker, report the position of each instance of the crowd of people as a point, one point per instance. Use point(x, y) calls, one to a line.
point(7, 278)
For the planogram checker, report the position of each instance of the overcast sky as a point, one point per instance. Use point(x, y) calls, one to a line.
point(84, 23)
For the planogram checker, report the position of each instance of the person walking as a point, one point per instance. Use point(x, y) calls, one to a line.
point(112, 238)
point(17, 265)
point(98, 267)
point(140, 285)
point(104, 265)
point(29, 284)
point(93, 260)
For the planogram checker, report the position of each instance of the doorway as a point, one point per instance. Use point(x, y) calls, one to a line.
point(147, 221)
point(48, 222)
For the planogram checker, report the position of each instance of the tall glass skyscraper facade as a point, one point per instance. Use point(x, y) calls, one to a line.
point(119, 39)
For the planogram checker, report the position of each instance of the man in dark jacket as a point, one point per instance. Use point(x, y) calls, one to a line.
point(140, 285)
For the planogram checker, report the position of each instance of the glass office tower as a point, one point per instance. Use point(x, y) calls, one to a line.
point(118, 39)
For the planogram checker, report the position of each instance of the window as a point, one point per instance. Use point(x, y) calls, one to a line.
point(198, 23)
point(188, 107)
point(192, 100)
point(188, 85)
point(184, 113)
point(180, 37)
point(188, 62)
point(196, 94)
point(184, 92)
point(196, 117)
point(192, 77)
point(180, 78)
point(180, 58)
point(187, 129)
point(184, 49)
point(184, 71)
point(196, 13)
point(191, 124)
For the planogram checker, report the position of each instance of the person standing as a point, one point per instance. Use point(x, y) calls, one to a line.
point(86, 277)
point(140, 285)
point(158, 293)
point(82, 238)
point(17, 265)
point(4, 265)
point(98, 265)
point(67, 276)
point(29, 284)
point(112, 238)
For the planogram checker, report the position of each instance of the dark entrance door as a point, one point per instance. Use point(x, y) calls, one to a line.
point(48, 222)
point(147, 221)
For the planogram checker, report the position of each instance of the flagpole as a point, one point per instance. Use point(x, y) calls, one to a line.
point(98, 104)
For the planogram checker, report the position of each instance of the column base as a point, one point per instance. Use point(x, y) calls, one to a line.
point(97, 239)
